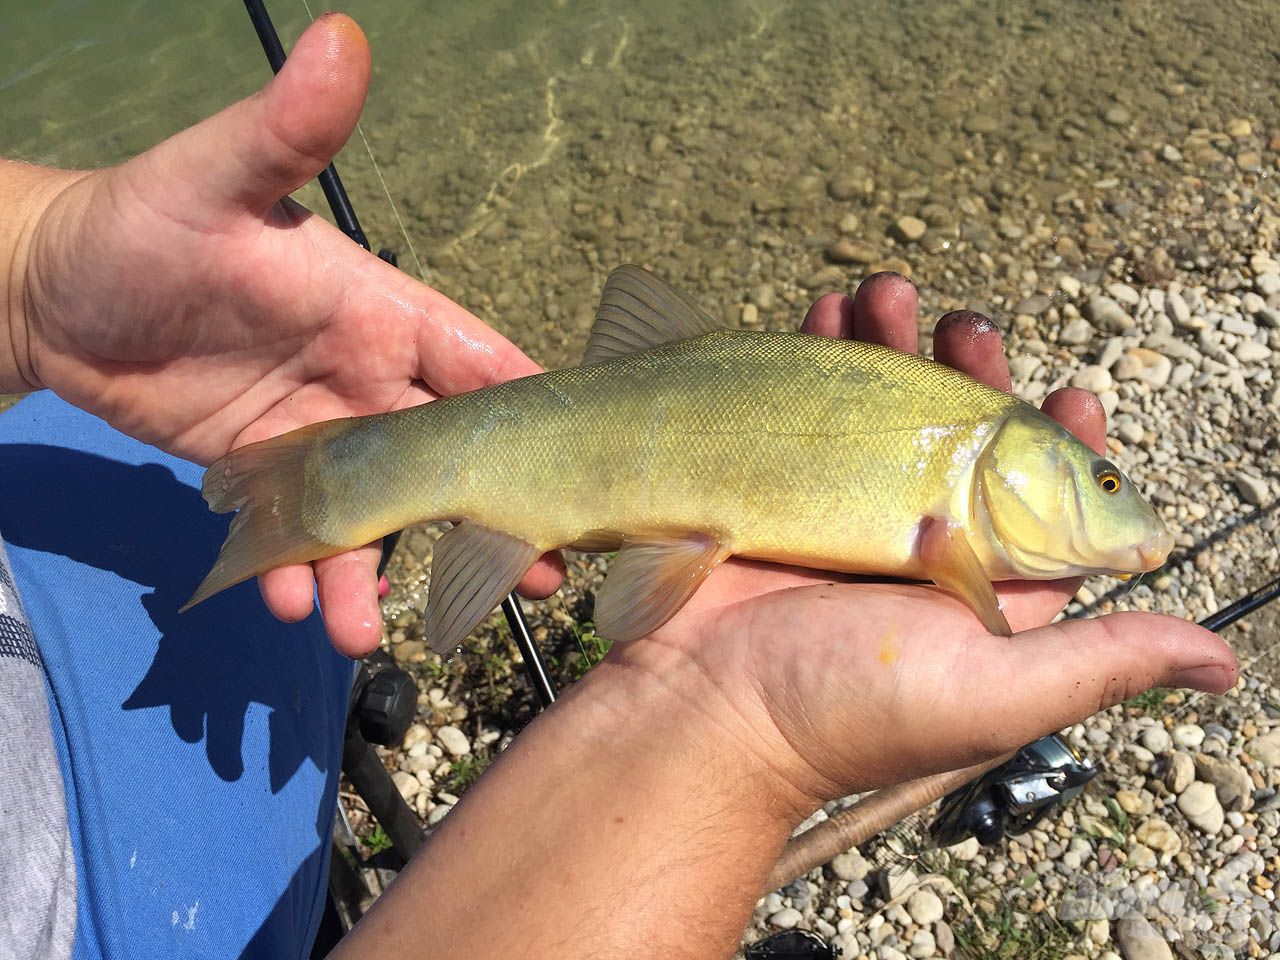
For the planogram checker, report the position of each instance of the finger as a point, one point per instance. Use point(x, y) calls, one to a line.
point(456, 352)
point(884, 312)
point(543, 579)
point(1046, 679)
point(348, 588)
point(267, 145)
point(971, 343)
point(289, 592)
point(1082, 413)
point(830, 316)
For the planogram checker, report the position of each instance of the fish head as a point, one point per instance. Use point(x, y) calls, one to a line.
point(1051, 507)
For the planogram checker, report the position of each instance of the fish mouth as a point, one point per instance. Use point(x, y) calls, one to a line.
point(1154, 551)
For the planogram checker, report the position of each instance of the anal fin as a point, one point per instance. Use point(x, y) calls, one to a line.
point(651, 579)
point(472, 569)
point(951, 563)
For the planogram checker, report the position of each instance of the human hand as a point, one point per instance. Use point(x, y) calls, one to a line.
point(840, 687)
point(180, 298)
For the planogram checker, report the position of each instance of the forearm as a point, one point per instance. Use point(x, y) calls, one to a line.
point(626, 821)
point(26, 192)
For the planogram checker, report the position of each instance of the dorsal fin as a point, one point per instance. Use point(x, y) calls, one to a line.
point(639, 312)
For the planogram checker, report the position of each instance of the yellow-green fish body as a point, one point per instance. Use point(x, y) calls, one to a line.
point(827, 453)
point(785, 446)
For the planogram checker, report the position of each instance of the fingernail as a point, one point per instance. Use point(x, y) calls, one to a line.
point(978, 323)
point(1210, 677)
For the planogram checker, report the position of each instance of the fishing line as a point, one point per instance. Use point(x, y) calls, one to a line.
point(386, 191)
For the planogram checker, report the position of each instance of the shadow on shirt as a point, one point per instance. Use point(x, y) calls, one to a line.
point(212, 662)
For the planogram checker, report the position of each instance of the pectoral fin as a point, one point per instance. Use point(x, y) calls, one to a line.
point(951, 563)
point(650, 580)
point(472, 569)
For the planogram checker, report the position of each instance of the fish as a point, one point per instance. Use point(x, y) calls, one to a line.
point(679, 443)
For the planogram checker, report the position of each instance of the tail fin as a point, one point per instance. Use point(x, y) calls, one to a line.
point(265, 481)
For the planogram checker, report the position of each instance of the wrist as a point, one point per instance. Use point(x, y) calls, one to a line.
point(28, 194)
point(588, 836)
point(713, 707)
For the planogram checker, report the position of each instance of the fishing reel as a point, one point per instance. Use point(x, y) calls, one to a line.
point(1012, 798)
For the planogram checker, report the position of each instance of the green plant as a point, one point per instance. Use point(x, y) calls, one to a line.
point(377, 840)
point(466, 771)
point(1009, 933)
point(1150, 702)
point(591, 650)
point(1120, 817)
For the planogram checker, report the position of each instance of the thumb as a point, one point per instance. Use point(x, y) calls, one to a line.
point(1058, 675)
point(263, 148)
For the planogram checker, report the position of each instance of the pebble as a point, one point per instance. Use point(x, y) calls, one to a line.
point(1123, 293)
point(850, 866)
point(658, 144)
point(1252, 489)
point(1107, 315)
point(1156, 739)
point(406, 783)
point(895, 882)
point(454, 741)
point(845, 250)
point(923, 944)
point(1144, 365)
point(1180, 772)
point(762, 296)
point(786, 919)
point(1239, 128)
point(1188, 735)
point(1117, 117)
point(1138, 940)
point(1159, 836)
point(925, 907)
point(1231, 781)
point(1091, 377)
point(1177, 309)
point(1199, 804)
point(909, 229)
point(1141, 858)
point(1266, 749)
point(1250, 351)
point(1076, 332)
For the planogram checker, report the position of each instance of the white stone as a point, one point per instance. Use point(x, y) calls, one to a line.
point(1159, 836)
point(1123, 293)
point(850, 866)
point(1266, 749)
point(1138, 940)
point(786, 918)
point(925, 907)
point(1251, 351)
point(406, 783)
point(1156, 739)
point(454, 740)
point(1252, 489)
point(1199, 804)
point(1093, 378)
point(1188, 735)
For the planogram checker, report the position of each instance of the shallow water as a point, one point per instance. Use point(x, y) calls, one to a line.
point(532, 146)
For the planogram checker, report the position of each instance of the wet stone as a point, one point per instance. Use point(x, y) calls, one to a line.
point(845, 250)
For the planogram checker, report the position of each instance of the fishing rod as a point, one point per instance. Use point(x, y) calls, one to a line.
point(344, 215)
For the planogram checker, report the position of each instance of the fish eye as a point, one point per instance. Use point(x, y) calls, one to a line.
point(1107, 476)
